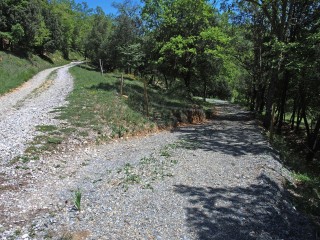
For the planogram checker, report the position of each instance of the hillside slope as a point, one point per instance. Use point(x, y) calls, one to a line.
point(15, 69)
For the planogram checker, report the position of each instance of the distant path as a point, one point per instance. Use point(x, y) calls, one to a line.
point(29, 106)
point(219, 180)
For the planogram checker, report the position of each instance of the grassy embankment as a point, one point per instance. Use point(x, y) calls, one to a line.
point(15, 70)
point(97, 113)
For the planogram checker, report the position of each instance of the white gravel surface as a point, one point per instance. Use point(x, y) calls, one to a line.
point(29, 106)
point(218, 180)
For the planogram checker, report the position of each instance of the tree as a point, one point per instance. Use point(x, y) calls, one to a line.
point(285, 69)
point(98, 37)
point(186, 33)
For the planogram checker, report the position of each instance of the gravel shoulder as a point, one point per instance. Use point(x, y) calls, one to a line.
point(218, 180)
point(30, 105)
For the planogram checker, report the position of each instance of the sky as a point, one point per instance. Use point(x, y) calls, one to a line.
point(106, 5)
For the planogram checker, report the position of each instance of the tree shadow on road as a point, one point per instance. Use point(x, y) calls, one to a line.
point(255, 212)
point(233, 132)
point(231, 141)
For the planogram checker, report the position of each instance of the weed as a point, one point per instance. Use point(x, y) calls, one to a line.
point(132, 178)
point(127, 168)
point(147, 186)
point(24, 158)
point(148, 160)
point(54, 140)
point(46, 128)
point(22, 167)
point(77, 199)
point(67, 130)
point(17, 232)
point(164, 152)
point(172, 145)
point(174, 162)
point(302, 178)
point(32, 232)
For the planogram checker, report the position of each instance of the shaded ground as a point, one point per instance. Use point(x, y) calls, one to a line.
point(219, 180)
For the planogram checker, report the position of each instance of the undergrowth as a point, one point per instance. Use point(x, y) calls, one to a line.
point(305, 190)
point(149, 169)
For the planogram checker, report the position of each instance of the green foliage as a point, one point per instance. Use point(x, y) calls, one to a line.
point(77, 199)
point(188, 43)
point(44, 25)
point(303, 178)
point(98, 37)
point(17, 33)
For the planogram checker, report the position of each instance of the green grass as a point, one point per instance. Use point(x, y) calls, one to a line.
point(96, 106)
point(15, 70)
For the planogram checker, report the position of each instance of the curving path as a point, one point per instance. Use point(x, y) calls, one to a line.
point(29, 106)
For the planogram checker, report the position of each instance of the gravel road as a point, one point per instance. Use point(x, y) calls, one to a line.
point(218, 180)
point(29, 106)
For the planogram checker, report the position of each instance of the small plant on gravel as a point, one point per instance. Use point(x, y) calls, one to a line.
point(174, 161)
point(54, 140)
point(77, 199)
point(46, 128)
point(164, 152)
point(17, 232)
point(130, 177)
point(148, 160)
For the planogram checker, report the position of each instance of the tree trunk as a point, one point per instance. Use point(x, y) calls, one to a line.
point(272, 122)
point(253, 97)
point(205, 87)
point(313, 141)
point(101, 66)
point(293, 116)
point(187, 81)
point(269, 99)
point(283, 101)
point(146, 99)
point(166, 81)
point(121, 85)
